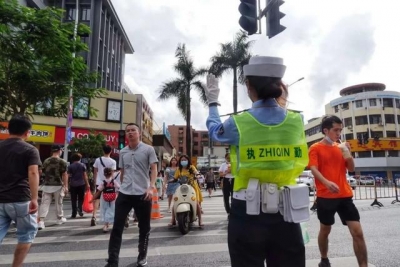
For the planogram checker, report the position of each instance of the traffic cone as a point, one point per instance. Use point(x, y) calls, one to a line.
point(155, 208)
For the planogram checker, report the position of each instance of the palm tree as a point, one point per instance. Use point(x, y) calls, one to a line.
point(181, 87)
point(232, 57)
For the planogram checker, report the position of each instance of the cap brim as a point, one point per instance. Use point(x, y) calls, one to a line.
point(264, 70)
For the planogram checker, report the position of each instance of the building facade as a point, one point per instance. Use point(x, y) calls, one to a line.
point(371, 117)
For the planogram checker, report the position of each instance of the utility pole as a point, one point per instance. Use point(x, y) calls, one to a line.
point(68, 124)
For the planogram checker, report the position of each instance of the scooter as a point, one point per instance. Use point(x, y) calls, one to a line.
point(185, 205)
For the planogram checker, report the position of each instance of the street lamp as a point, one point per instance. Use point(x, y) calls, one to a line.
point(68, 124)
point(302, 78)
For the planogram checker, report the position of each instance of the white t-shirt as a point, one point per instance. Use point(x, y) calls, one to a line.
point(223, 168)
point(108, 163)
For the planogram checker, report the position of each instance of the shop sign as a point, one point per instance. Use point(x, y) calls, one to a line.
point(39, 133)
point(110, 136)
point(374, 145)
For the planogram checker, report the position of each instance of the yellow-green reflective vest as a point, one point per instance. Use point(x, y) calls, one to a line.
point(271, 153)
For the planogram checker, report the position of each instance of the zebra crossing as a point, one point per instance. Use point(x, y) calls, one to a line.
point(75, 243)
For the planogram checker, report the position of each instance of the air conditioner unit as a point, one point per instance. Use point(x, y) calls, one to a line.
point(350, 127)
point(380, 123)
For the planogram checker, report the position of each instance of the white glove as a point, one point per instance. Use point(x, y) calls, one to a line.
point(212, 89)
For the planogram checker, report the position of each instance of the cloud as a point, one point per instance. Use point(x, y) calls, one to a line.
point(345, 50)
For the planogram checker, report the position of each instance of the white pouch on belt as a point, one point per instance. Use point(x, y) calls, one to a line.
point(270, 198)
point(295, 203)
point(253, 197)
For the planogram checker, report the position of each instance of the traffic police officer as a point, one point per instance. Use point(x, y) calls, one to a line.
point(261, 145)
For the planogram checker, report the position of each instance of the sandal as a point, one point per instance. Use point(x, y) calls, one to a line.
point(105, 229)
point(171, 225)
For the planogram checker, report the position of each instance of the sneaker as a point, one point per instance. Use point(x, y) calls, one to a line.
point(324, 263)
point(41, 225)
point(111, 265)
point(81, 214)
point(93, 221)
point(61, 220)
point(141, 261)
point(73, 216)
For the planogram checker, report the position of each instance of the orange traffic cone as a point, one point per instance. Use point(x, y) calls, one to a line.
point(155, 208)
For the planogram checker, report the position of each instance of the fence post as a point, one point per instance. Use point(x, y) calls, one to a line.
point(395, 190)
point(376, 202)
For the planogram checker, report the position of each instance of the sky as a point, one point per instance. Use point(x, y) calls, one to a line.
point(331, 43)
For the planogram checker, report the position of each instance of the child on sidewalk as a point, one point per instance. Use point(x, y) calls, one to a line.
point(108, 189)
point(160, 185)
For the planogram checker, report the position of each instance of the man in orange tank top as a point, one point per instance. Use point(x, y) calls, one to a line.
point(329, 162)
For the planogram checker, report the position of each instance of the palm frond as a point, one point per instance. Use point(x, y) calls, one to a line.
point(183, 103)
point(244, 62)
point(200, 87)
point(172, 88)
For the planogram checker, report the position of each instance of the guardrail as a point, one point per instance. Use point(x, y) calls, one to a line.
point(375, 192)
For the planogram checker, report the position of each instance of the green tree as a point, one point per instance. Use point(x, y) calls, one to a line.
point(182, 86)
point(37, 63)
point(232, 57)
point(90, 147)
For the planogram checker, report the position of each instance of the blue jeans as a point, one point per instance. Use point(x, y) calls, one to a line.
point(19, 213)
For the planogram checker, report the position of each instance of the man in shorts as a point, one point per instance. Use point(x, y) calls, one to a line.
point(329, 162)
point(19, 183)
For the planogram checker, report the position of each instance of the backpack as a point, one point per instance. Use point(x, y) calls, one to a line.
point(109, 193)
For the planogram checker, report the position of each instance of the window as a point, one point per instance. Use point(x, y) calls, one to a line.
point(359, 103)
point(205, 135)
point(71, 12)
point(196, 143)
point(181, 128)
point(372, 102)
point(349, 136)
point(85, 39)
point(378, 154)
point(361, 120)
point(389, 118)
point(388, 102)
point(392, 153)
point(397, 103)
point(336, 109)
point(364, 154)
point(313, 130)
point(345, 106)
point(180, 149)
point(348, 121)
point(85, 13)
point(375, 119)
point(376, 134)
point(390, 133)
point(195, 152)
point(180, 141)
point(196, 135)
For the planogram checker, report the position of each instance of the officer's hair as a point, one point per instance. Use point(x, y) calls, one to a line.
point(107, 149)
point(19, 124)
point(76, 157)
point(328, 121)
point(267, 87)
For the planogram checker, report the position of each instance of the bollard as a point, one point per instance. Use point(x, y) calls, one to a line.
point(376, 202)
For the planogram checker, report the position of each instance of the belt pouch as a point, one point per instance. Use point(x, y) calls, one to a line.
point(296, 203)
point(270, 198)
point(253, 197)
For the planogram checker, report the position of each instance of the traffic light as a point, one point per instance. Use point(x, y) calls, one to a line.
point(274, 16)
point(248, 21)
point(121, 139)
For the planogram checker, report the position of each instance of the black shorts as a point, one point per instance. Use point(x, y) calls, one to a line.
point(327, 208)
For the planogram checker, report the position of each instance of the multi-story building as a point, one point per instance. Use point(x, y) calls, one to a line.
point(178, 138)
point(371, 118)
point(144, 118)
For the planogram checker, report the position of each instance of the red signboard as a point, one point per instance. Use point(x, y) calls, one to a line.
point(110, 136)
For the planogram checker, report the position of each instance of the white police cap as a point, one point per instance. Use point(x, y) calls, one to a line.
point(265, 67)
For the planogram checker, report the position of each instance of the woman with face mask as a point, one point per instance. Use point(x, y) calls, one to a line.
point(188, 170)
point(267, 148)
point(169, 180)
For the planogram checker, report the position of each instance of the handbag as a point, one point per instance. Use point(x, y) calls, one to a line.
point(87, 206)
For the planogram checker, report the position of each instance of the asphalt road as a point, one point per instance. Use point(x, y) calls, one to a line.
point(77, 244)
